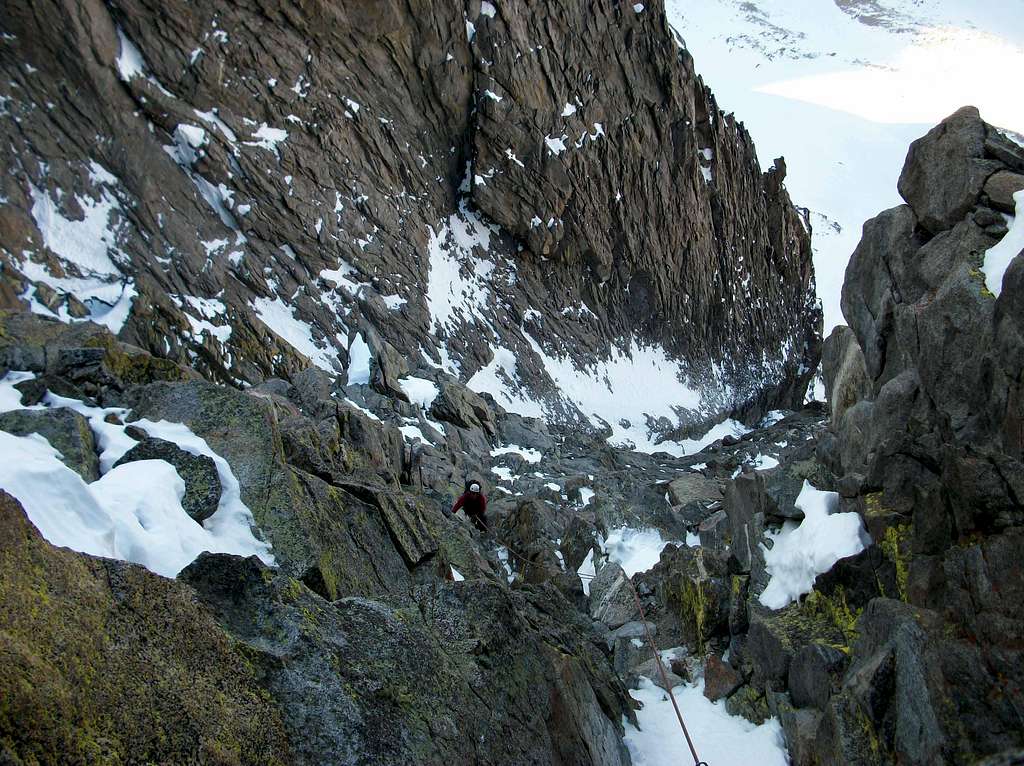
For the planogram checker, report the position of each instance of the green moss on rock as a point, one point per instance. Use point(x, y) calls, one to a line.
point(103, 662)
point(894, 545)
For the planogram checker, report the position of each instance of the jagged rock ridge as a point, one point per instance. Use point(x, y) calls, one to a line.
point(475, 186)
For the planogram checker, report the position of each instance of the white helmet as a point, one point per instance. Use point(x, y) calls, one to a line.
point(474, 487)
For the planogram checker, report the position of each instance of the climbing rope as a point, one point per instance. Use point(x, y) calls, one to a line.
point(650, 641)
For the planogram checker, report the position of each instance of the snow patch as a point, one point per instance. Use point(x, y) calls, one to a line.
point(529, 455)
point(999, 256)
point(800, 552)
point(278, 317)
point(132, 512)
point(359, 357)
point(719, 738)
point(635, 550)
point(420, 391)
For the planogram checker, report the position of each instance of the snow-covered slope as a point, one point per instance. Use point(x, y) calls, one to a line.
point(841, 88)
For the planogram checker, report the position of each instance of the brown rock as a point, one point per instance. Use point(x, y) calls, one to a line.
point(720, 679)
point(1000, 188)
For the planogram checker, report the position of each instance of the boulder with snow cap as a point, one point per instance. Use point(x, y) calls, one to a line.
point(199, 472)
point(66, 431)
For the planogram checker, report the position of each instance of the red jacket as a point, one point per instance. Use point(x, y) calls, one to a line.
point(474, 503)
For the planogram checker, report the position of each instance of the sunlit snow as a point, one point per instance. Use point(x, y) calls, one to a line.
point(278, 316)
point(842, 98)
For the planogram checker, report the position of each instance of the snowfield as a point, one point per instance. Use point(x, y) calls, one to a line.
point(720, 739)
point(132, 512)
point(842, 97)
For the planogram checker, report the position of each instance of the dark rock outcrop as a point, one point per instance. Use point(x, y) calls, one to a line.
point(358, 647)
point(928, 450)
point(104, 661)
point(65, 430)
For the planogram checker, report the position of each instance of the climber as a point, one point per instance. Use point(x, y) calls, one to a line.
point(474, 503)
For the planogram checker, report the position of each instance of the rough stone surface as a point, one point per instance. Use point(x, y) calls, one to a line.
point(611, 597)
point(299, 177)
point(1000, 188)
point(720, 680)
point(116, 664)
point(946, 170)
point(930, 456)
point(405, 693)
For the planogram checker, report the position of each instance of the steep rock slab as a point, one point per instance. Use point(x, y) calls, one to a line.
point(465, 678)
point(596, 143)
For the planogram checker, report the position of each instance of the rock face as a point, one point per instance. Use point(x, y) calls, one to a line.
point(515, 189)
point(118, 665)
point(928, 450)
point(356, 648)
point(908, 652)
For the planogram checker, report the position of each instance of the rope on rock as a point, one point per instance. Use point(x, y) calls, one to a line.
point(650, 641)
point(664, 677)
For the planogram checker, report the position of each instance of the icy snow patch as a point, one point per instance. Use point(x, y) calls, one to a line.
point(586, 495)
point(635, 550)
point(998, 257)
point(268, 138)
point(458, 285)
point(499, 379)
point(587, 571)
point(569, 109)
point(363, 410)
point(129, 60)
point(456, 575)
point(412, 432)
point(487, 9)
point(87, 243)
point(419, 390)
point(503, 472)
point(556, 145)
point(277, 316)
point(764, 462)
point(132, 512)
point(718, 737)
point(684, 447)
point(359, 357)
point(803, 551)
point(529, 455)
